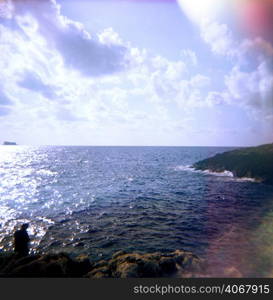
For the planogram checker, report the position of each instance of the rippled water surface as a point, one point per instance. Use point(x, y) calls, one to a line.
point(97, 200)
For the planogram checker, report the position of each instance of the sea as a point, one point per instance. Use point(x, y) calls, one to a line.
point(95, 201)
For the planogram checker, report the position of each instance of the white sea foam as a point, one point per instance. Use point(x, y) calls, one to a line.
point(185, 168)
point(45, 172)
point(227, 174)
point(207, 172)
point(249, 179)
point(222, 174)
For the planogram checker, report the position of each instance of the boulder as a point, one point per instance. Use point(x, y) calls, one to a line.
point(48, 265)
point(134, 265)
point(122, 265)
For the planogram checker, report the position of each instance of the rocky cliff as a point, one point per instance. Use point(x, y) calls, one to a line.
point(251, 162)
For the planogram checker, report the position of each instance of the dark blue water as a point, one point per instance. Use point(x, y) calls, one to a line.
point(97, 200)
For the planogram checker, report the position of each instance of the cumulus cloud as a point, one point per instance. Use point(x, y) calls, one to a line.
point(249, 83)
point(253, 90)
point(90, 55)
point(33, 82)
point(56, 58)
point(5, 103)
point(189, 56)
point(170, 82)
point(45, 55)
point(4, 99)
point(4, 111)
point(190, 92)
point(218, 36)
point(216, 98)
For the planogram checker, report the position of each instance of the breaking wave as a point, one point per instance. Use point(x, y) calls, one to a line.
point(225, 173)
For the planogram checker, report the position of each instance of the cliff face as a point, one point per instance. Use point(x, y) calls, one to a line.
point(252, 162)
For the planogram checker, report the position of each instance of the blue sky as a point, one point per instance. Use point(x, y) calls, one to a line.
point(132, 73)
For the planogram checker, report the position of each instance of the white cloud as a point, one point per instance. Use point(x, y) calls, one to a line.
point(189, 56)
point(110, 37)
point(46, 56)
point(4, 99)
point(90, 55)
point(254, 90)
point(5, 103)
point(167, 82)
point(217, 98)
point(4, 110)
point(57, 77)
point(219, 37)
point(34, 82)
point(249, 84)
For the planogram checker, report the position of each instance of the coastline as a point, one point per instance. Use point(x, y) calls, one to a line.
point(179, 264)
point(253, 163)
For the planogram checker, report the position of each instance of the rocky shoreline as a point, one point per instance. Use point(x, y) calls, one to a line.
point(250, 162)
point(179, 263)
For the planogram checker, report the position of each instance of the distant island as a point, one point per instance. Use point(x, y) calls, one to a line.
point(9, 143)
point(251, 162)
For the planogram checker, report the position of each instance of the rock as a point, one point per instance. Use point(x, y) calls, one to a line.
point(122, 265)
point(168, 265)
point(232, 272)
point(134, 265)
point(100, 272)
point(127, 270)
point(49, 265)
point(100, 263)
point(248, 162)
point(149, 269)
point(118, 253)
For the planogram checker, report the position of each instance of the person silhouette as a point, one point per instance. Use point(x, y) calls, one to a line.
point(21, 241)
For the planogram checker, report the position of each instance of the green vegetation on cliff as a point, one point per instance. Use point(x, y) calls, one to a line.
point(251, 162)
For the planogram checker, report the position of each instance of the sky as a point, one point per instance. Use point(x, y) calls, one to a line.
point(128, 72)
